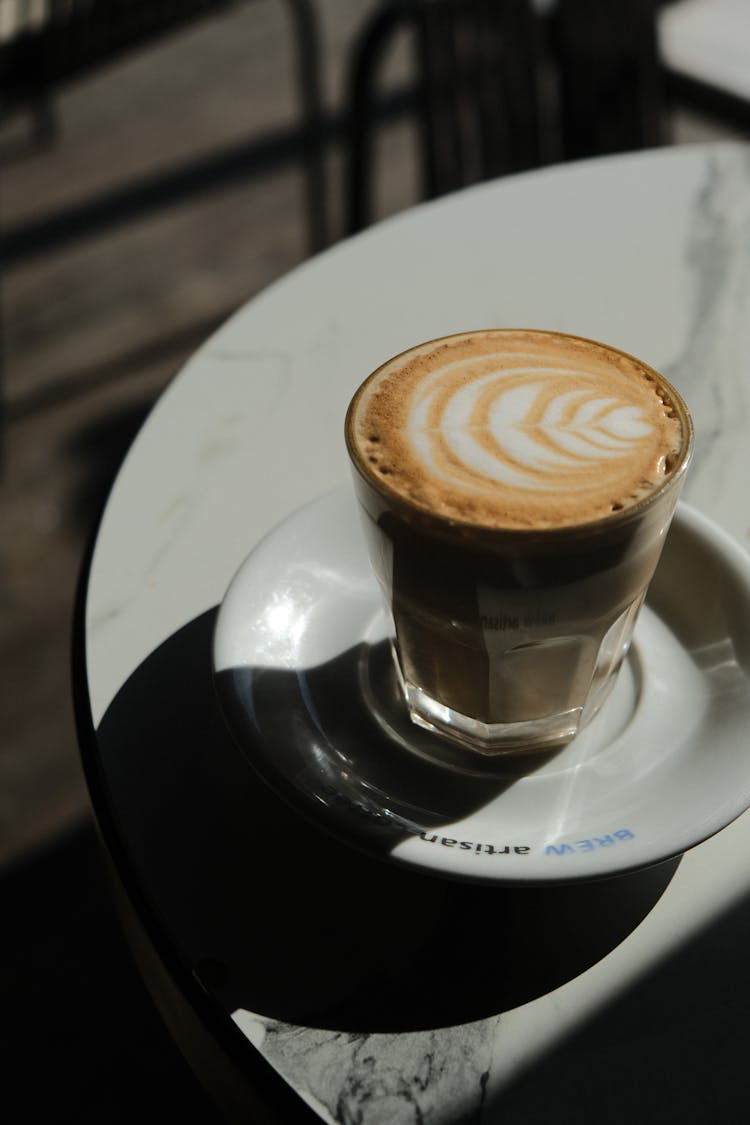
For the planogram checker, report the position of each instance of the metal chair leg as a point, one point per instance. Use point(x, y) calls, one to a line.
point(313, 132)
point(367, 55)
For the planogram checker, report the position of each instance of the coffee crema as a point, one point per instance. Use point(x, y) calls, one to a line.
point(517, 429)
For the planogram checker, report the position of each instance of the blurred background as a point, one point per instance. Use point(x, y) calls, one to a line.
point(160, 163)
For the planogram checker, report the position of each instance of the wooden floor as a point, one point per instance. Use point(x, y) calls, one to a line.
point(171, 194)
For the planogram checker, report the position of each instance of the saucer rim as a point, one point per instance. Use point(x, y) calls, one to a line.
point(723, 544)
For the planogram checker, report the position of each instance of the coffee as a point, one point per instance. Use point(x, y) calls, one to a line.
point(517, 485)
point(516, 429)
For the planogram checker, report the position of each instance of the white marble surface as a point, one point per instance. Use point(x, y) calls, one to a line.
point(648, 252)
point(709, 41)
point(438, 1077)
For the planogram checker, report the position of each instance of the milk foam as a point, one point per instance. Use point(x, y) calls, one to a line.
point(517, 429)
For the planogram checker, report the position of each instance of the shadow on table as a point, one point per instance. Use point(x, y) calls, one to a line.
point(279, 918)
point(671, 1050)
point(337, 741)
point(85, 1044)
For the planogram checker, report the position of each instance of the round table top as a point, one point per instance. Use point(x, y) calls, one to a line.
point(364, 984)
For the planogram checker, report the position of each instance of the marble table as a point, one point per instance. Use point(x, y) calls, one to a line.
point(299, 975)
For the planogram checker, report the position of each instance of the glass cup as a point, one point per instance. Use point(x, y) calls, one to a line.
point(510, 638)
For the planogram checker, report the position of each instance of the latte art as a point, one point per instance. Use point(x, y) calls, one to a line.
point(508, 428)
point(516, 429)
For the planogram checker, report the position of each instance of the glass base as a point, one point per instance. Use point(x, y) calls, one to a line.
point(545, 732)
point(491, 738)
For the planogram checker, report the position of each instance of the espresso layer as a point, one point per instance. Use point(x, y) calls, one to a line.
point(517, 429)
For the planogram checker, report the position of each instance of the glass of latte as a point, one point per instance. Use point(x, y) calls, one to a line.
point(516, 488)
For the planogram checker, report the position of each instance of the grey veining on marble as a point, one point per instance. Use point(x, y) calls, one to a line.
point(353, 1078)
point(713, 368)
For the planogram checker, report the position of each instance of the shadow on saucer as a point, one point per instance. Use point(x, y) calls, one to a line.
point(280, 918)
point(337, 739)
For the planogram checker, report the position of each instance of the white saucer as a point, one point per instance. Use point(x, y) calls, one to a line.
point(306, 683)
